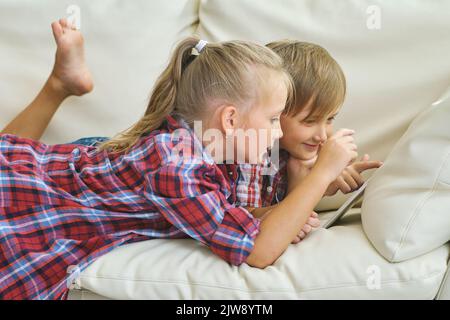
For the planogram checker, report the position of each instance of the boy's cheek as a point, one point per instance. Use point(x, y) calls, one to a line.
point(330, 131)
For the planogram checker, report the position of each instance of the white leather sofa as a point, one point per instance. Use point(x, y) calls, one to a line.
point(395, 57)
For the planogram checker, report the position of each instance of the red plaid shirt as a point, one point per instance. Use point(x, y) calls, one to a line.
point(62, 206)
point(256, 189)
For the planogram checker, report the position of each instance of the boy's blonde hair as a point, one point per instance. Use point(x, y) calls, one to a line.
point(234, 72)
point(317, 77)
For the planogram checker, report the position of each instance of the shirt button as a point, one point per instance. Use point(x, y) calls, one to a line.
point(269, 189)
point(230, 173)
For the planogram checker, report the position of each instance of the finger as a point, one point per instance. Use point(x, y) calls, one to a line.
point(367, 165)
point(351, 182)
point(313, 222)
point(365, 157)
point(301, 234)
point(356, 176)
point(342, 185)
point(353, 147)
point(346, 139)
point(314, 214)
point(343, 132)
point(296, 240)
point(306, 228)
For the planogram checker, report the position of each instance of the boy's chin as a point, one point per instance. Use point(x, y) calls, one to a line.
point(303, 154)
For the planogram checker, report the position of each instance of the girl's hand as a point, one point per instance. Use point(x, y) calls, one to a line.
point(350, 179)
point(312, 223)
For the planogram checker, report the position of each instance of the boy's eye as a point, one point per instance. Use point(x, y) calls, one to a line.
point(314, 121)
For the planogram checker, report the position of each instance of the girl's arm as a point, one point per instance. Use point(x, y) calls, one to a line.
point(284, 221)
point(260, 213)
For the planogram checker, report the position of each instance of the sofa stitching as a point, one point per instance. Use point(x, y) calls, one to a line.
point(417, 210)
point(349, 284)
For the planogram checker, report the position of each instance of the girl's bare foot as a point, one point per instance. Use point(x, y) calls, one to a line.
point(70, 72)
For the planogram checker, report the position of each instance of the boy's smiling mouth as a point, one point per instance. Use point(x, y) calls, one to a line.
point(311, 146)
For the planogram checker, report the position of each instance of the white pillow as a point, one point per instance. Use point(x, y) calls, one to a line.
point(406, 207)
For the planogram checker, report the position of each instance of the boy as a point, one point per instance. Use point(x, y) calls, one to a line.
point(320, 89)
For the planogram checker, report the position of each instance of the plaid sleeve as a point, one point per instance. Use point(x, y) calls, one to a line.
point(249, 185)
point(192, 197)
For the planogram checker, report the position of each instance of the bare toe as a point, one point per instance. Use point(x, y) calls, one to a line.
point(63, 22)
point(57, 30)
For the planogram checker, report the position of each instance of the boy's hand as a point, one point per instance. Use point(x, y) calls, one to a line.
point(313, 222)
point(351, 179)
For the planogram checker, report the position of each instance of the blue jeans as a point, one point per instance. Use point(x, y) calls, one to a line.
point(89, 141)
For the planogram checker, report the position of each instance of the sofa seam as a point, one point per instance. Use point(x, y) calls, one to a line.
point(354, 284)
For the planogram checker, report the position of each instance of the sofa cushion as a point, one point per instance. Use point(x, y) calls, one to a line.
point(330, 263)
point(406, 207)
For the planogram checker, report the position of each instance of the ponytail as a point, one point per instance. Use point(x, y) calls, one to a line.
point(234, 72)
point(162, 100)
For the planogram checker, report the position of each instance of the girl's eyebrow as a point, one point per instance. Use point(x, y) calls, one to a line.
point(280, 111)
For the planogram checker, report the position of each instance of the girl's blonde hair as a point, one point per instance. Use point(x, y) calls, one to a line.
point(317, 77)
point(234, 72)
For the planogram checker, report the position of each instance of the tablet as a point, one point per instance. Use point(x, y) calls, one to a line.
point(351, 201)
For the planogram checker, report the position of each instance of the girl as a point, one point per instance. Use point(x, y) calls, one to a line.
point(65, 205)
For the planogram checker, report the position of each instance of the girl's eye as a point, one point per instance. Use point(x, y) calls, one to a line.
point(273, 120)
point(332, 119)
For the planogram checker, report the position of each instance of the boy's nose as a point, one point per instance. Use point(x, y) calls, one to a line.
point(322, 135)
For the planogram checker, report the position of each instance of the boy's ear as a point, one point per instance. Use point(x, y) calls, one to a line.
point(228, 118)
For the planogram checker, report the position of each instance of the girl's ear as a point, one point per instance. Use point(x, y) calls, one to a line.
point(228, 118)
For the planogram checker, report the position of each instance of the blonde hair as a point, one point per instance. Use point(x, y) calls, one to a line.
point(317, 77)
point(225, 72)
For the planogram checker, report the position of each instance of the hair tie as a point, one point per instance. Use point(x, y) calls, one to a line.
point(200, 45)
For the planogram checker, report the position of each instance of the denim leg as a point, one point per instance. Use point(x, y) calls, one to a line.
point(89, 141)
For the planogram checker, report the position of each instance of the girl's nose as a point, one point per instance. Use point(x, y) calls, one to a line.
point(279, 133)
